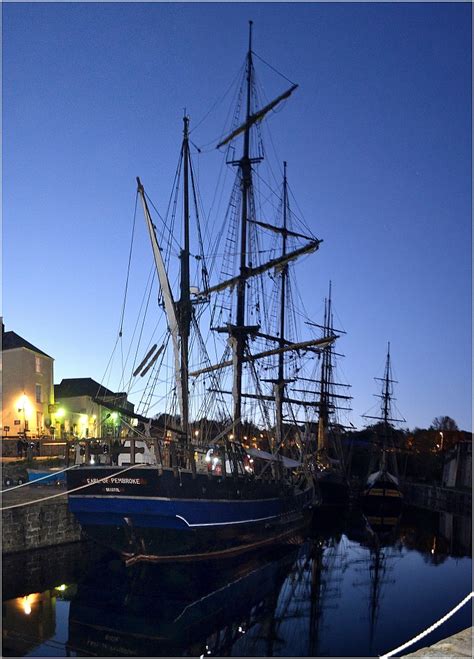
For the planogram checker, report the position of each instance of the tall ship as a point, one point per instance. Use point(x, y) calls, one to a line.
point(225, 469)
point(382, 491)
point(330, 459)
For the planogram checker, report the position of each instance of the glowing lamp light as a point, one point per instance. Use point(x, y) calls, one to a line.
point(26, 604)
point(114, 416)
point(62, 587)
point(61, 412)
point(23, 405)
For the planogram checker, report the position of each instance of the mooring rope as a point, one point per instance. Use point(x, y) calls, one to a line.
point(430, 629)
point(51, 475)
point(61, 494)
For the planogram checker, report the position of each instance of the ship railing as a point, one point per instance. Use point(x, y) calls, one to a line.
point(132, 450)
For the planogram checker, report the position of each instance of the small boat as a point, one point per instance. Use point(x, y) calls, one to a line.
point(193, 489)
point(46, 476)
point(382, 493)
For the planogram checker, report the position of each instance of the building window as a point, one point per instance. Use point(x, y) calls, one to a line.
point(37, 364)
point(38, 393)
point(39, 422)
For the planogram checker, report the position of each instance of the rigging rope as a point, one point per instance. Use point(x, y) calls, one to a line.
point(76, 489)
point(128, 266)
point(36, 480)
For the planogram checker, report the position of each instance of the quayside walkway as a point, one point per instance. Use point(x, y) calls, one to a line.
point(459, 645)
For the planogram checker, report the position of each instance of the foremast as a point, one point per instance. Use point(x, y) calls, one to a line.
point(179, 313)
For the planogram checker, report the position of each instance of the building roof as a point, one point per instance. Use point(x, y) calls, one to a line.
point(82, 387)
point(11, 340)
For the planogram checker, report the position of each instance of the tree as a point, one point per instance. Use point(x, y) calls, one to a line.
point(444, 423)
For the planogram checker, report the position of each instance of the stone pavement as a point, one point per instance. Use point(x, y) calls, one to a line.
point(459, 645)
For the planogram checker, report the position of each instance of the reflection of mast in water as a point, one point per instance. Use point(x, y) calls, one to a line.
point(304, 597)
point(379, 545)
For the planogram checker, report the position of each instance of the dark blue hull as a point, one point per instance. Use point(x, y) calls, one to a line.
point(158, 516)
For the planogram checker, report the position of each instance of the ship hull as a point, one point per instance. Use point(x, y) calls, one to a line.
point(382, 497)
point(334, 489)
point(158, 516)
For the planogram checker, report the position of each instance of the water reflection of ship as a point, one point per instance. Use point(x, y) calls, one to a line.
point(153, 610)
point(294, 622)
point(252, 608)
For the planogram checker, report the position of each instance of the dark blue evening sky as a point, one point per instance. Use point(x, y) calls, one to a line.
point(377, 137)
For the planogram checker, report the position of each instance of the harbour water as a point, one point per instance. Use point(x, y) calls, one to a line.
point(350, 586)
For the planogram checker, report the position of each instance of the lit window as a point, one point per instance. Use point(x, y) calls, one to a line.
point(38, 393)
point(38, 364)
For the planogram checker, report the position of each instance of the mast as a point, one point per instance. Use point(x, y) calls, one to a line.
point(386, 398)
point(386, 414)
point(326, 377)
point(184, 304)
point(238, 338)
point(280, 384)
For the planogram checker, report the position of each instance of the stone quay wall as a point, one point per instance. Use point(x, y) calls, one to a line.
point(440, 499)
point(35, 525)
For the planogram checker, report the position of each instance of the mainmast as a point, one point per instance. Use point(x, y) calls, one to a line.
point(184, 304)
point(280, 384)
point(239, 334)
